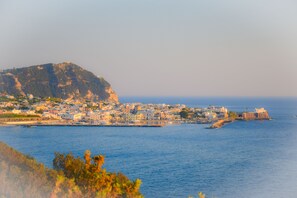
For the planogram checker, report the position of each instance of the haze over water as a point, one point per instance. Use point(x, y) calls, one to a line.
point(242, 159)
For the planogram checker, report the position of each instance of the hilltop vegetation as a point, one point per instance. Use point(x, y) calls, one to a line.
point(23, 176)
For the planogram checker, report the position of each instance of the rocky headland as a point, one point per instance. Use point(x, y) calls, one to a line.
point(64, 80)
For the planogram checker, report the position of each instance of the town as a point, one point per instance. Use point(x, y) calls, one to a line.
point(31, 111)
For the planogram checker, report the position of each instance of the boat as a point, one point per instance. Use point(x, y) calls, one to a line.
point(28, 126)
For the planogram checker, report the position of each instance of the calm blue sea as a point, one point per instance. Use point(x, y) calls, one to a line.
point(242, 159)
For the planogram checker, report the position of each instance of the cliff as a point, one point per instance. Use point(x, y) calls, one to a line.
point(64, 80)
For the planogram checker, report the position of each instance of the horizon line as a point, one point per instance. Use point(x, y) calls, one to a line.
point(176, 96)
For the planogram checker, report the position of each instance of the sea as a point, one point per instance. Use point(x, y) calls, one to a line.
point(241, 160)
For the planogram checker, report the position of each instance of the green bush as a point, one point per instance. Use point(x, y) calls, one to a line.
point(92, 179)
point(23, 176)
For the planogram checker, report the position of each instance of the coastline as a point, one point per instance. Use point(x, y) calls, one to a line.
point(214, 125)
point(56, 112)
point(55, 124)
point(88, 125)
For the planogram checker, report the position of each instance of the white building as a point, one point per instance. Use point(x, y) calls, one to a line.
point(30, 96)
point(73, 116)
point(260, 110)
point(16, 111)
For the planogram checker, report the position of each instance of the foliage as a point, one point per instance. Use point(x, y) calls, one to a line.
point(39, 111)
point(7, 108)
point(200, 195)
point(57, 100)
point(34, 101)
point(184, 113)
point(5, 99)
point(12, 115)
point(22, 176)
point(92, 179)
point(92, 107)
point(24, 107)
point(233, 114)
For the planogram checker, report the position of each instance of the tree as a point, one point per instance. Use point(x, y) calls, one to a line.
point(233, 114)
point(184, 113)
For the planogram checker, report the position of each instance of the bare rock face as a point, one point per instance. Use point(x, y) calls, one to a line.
point(64, 80)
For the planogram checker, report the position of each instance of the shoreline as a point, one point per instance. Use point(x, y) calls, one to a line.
point(28, 125)
point(215, 125)
point(87, 125)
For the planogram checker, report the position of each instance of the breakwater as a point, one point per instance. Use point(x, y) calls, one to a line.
point(220, 123)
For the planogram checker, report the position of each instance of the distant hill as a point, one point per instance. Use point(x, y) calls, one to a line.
point(63, 80)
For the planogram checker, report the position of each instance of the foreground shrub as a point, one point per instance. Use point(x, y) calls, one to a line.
point(23, 176)
point(92, 179)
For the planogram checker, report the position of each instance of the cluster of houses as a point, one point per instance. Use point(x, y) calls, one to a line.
point(88, 112)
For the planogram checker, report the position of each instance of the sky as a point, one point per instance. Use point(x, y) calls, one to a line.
point(160, 47)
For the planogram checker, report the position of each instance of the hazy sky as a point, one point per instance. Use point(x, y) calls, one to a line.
point(160, 47)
